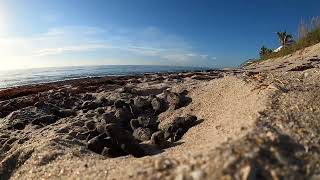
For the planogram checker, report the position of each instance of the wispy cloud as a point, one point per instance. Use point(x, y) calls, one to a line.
point(77, 48)
point(74, 31)
point(143, 43)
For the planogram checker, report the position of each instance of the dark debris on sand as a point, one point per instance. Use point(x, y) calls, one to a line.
point(133, 121)
point(112, 127)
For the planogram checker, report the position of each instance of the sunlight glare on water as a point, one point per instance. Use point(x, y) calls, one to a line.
point(43, 75)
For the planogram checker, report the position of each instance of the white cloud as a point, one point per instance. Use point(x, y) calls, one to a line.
point(191, 55)
point(204, 56)
point(77, 48)
point(147, 42)
point(177, 57)
point(144, 51)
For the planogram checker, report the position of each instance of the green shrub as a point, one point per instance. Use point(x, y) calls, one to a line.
point(264, 51)
point(309, 39)
point(309, 34)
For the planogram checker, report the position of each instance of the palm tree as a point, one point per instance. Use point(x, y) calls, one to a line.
point(285, 39)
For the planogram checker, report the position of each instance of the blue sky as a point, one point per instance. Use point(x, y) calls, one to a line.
point(42, 33)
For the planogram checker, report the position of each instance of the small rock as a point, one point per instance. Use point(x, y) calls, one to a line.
point(100, 110)
point(90, 125)
point(82, 149)
point(65, 113)
point(44, 120)
point(112, 151)
point(302, 67)
point(98, 143)
point(23, 140)
point(19, 126)
point(63, 130)
point(178, 134)
point(133, 149)
point(173, 100)
point(125, 140)
point(120, 104)
point(147, 121)
point(109, 118)
point(100, 127)
point(105, 102)
point(89, 114)
point(142, 134)
point(190, 120)
point(178, 127)
point(81, 136)
point(10, 141)
point(166, 92)
point(140, 102)
point(134, 124)
point(151, 97)
point(73, 134)
point(183, 93)
point(89, 105)
point(87, 97)
point(125, 89)
point(157, 138)
point(134, 91)
point(89, 134)
point(157, 105)
point(106, 152)
point(124, 116)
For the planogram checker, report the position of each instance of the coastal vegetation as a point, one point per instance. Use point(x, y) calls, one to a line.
point(264, 51)
point(308, 35)
point(285, 39)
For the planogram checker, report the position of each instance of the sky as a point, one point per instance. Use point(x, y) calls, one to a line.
point(52, 33)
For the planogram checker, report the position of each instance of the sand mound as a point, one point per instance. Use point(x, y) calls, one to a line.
point(303, 57)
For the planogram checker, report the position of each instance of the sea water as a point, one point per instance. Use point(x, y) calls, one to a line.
point(12, 78)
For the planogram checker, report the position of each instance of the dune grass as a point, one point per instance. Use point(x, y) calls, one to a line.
point(309, 39)
point(309, 35)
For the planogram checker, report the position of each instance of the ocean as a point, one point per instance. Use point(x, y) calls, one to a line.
point(15, 78)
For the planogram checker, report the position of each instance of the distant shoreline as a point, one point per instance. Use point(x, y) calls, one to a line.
point(16, 91)
point(24, 77)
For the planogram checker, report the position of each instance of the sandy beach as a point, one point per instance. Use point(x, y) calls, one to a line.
point(258, 121)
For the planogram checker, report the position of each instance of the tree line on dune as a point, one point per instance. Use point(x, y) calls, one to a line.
point(308, 35)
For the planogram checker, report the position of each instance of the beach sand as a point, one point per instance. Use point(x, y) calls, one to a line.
point(260, 121)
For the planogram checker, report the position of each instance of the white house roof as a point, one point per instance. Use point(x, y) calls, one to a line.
point(278, 49)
